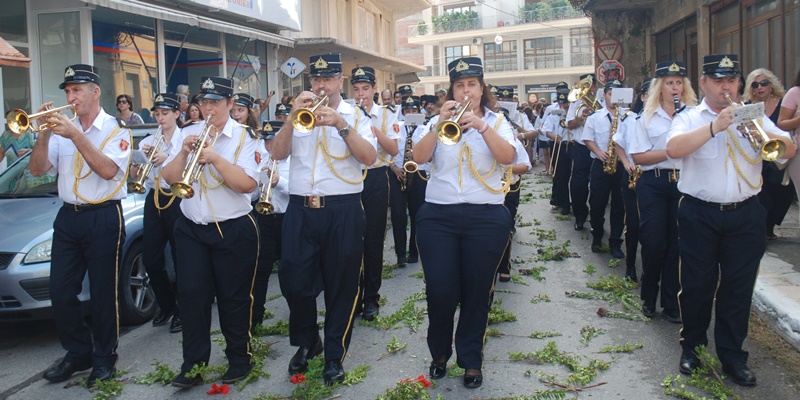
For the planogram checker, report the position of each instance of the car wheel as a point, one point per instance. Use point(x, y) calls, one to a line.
point(137, 302)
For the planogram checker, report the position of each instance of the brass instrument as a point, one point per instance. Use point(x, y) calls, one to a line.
point(583, 91)
point(137, 186)
point(449, 131)
point(770, 149)
point(610, 164)
point(633, 178)
point(193, 170)
point(263, 206)
point(409, 166)
point(525, 141)
point(303, 119)
point(20, 122)
point(561, 123)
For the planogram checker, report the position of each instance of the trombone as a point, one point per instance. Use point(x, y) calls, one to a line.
point(770, 149)
point(137, 186)
point(449, 131)
point(303, 119)
point(191, 173)
point(20, 122)
point(263, 206)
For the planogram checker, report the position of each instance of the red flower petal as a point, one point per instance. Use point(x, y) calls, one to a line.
point(214, 389)
point(225, 389)
point(297, 378)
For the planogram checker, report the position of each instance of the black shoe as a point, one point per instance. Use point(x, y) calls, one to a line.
point(648, 311)
point(579, 227)
point(505, 278)
point(596, 247)
point(100, 374)
point(673, 316)
point(688, 363)
point(237, 372)
point(413, 259)
point(565, 211)
point(370, 311)
point(175, 326)
point(184, 382)
point(740, 374)
point(333, 373)
point(299, 362)
point(630, 273)
point(616, 252)
point(437, 370)
point(401, 262)
point(162, 318)
point(65, 369)
point(473, 381)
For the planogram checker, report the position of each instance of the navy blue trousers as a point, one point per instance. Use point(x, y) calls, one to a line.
point(269, 228)
point(512, 204)
point(563, 171)
point(375, 199)
point(579, 183)
point(604, 186)
point(460, 247)
point(159, 226)
point(405, 205)
point(631, 221)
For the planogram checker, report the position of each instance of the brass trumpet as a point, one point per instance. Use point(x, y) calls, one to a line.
point(263, 206)
point(137, 186)
point(20, 122)
point(193, 170)
point(770, 149)
point(303, 119)
point(449, 131)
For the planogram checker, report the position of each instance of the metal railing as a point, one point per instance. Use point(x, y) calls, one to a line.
point(582, 59)
point(549, 14)
point(501, 64)
point(544, 61)
point(442, 24)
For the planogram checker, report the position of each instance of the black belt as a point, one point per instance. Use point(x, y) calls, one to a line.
point(86, 207)
point(720, 206)
point(672, 175)
point(322, 201)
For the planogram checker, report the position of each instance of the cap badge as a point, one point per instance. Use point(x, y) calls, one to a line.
point(320, 64)
point(674, 68)
point(410, 100)
point(267, 127)
point(69, 72)
point(494, 89)
point(505, 92)
point(725, 63)
point(281, 107)
point(359, 72)
point(461, 66)
point(159, 99)
point(208, 84)
point(236, 97)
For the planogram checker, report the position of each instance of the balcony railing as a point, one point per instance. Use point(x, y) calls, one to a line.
point(456, 22)
point(582, 59)
point(501, 64)
point(544, 61)
point(549, 61)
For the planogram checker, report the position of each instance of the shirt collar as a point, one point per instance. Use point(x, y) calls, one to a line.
point(344, 107)
point(703, 106)
point(227, 130)
point(98, 121)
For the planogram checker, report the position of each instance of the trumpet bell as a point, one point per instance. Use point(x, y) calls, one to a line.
point(182, 190)
point(411, 167)
point(772, 150)
point(18, 121)
point(303, 120)
point(265, 208)
point(136, 187)
point(449, 132)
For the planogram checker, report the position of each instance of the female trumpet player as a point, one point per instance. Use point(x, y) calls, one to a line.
point(657, 190)
point(217, 238)
point(462, 229)
point(161, 210)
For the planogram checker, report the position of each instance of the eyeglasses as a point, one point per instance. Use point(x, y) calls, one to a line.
point(122, 101)
point(763, 83)
point(212, 102)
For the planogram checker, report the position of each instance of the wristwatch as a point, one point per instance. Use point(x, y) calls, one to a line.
point(344, 131)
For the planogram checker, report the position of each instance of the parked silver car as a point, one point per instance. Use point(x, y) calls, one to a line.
point(28, 207)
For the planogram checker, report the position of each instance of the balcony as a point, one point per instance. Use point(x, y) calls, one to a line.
point(457, 22)
point(544, 61)
point(582, 59)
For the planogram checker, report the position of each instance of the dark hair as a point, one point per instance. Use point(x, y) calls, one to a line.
point(487, 99)
point(797, 79)
point(126, 97)
point(252, 119)
point(188, 108)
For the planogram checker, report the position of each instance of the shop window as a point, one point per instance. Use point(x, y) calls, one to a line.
point(59, 46)
point(246, 64)
point(13, 21)
point(502, 57)
point(546, 52)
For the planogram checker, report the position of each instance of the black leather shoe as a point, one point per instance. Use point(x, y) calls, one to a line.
point(504, 277)
point(596, 247)
point(688, 363)
point(740, 374)
point(473, 381)
point(413, 260)
point(616, 252)
point(370, 311)
point(565, 211)
point(100, 374)
point(175, 326)
point(579, 227)
point(673, 316)
point(648, 311)
point(333, 373)
point(630, 273)
point(299, 362)
point(184, 382)
point(401, 262)
point(237, 372)
point(437, 370)
point(162, 318)
point(65, 369)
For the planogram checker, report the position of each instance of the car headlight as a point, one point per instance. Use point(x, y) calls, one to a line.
point(39, 253)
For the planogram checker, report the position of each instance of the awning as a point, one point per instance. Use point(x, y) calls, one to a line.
point(11, 57)
point(311, 46)
point(183, 17)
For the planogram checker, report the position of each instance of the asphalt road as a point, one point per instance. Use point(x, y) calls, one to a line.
point(27, 349)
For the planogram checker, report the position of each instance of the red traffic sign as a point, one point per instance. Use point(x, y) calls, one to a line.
point(608, 49)
point(610, 70)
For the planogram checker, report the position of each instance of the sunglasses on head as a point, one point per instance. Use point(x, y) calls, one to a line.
point(763, 83)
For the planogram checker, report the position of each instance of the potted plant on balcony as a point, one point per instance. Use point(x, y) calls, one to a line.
point(422, 28)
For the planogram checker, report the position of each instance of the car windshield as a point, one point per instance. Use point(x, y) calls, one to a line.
point(17, 181)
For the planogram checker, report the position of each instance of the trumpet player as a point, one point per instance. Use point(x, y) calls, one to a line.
point(581, 158)
point(161, 210)
point(216, 237)
point(375, 196)
point(270, 224)
point(324, 225)
point(282, 111)
point(596, 135)
point(555, 128)
point(721, 226)
point(90, 156)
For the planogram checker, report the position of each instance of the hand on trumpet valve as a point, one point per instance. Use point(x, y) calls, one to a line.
point(275, 178)
point(447, 110)
point(62, 126)
point(328, 117)
point(470, 120)
point(304, 99)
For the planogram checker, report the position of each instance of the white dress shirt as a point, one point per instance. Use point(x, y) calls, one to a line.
point(651, 135)
point(220, 203)
point(577, 133)
point(386, 122)
point(552, 124)
point(280, 193)
point(598, 127)
point(444, 188)
point(418, 133)
point(310, 174)
point(622, 137)
point(167, 149)
point(521, 158)
point(91, 188)
point(709, 173)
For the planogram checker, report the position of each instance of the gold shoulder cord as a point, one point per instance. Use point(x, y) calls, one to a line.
point(205, 186)
point(77, 167)
point(159, 190)
point(466, 152)
point(381, 156)
point(327, 155)
point(747, 158)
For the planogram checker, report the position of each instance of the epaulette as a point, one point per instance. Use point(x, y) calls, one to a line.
point(254, 134)
point(390, 107)
point(121, 122)
point(365, 112)
point(627, 114)
point(189, 123)
point(427, 118)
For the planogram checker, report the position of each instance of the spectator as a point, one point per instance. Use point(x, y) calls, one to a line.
point(193, 113)
point(184, 99)
point(441, 93)
point(14, 146)
point(125, 108)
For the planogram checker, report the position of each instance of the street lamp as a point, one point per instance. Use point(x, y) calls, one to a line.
point(498, 40)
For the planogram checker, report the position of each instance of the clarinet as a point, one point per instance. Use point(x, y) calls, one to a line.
point(677, 102)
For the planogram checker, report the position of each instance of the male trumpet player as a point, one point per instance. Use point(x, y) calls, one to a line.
point(555, 128)
point(217, 238)
point(720, 220)
point(375, 196)
point(581, 159)
point(90, 156)
point(323, 230)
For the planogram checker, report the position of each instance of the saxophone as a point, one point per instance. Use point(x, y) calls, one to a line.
point(409, 166)
point(633, 178)
point(610, 165)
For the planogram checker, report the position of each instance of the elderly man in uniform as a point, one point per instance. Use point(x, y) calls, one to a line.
point(90, 156)
point(720, 220)
point(324, 224)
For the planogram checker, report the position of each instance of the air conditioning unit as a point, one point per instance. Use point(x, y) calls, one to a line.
point(477, 40)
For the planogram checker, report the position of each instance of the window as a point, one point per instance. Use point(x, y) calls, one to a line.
point(546, 52)
point(456, 52)
point(247, 66)
point(581, 47)
point(16, 80)
point(13, 23)
point(679, 42)
point(59, 46)
point(461, 9)
point(502, 57)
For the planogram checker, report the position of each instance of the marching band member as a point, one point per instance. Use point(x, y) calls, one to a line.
point(463, 226)
point(606, 175)
point(522, 164)
point(562, 141)
point(90, 155)
point(324, 225)
point(375, 196)
point(581, 158)
point(161, 210)
point(720, 220)
point(282, 111)
point(217, 238)
point(657, 191)
point(243, 112)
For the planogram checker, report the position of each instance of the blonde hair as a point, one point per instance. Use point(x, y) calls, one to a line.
point(777, 86)
point(688, 97)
